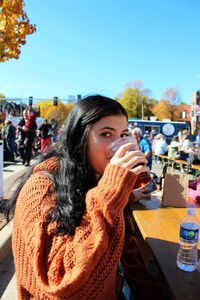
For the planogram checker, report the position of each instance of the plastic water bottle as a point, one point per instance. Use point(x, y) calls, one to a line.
point(189, 235)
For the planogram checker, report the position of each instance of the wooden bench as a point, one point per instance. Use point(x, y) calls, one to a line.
point(182, 163)
point(172, 161)
point(164, 158)
point(196, 169)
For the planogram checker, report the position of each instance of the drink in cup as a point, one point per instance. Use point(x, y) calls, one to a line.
point(144, 178)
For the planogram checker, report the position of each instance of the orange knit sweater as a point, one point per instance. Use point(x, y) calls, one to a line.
point(83, 266)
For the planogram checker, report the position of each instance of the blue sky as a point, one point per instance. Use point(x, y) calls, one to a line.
point(90, 46)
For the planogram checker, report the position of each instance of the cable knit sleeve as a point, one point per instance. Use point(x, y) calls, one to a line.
point(71, 267)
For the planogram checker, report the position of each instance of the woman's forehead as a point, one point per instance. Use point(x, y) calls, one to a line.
point(112, 121)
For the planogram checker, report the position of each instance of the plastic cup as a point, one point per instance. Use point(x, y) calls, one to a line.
point(142, 179)
point(112, 148)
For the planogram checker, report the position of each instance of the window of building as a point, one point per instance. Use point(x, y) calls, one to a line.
point(183, 115)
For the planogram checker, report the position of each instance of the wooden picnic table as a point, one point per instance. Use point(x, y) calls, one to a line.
point(194, 167)
point(160, 229)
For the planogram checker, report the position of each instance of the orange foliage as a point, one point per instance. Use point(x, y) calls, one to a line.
point(162, 110)
point(59, 112)
point(44, 106)
point(14, 26)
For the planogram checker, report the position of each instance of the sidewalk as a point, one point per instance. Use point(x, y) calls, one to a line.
point(11, 174)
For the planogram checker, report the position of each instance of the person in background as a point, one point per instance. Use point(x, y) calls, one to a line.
point(185, 132)
point(152, 136)
point(173, 148)
point(54, 126)
point(73, 235)
point(197, 139)
point(144, 144)
point(30, 120)
point(180, 135)
point(153, 142)
point(186, 144)
point(45, 133)
point(9, 136)
point(28, 125)
point(186, 147)
point(27, 133)
point(161, 147)
point(5, 148)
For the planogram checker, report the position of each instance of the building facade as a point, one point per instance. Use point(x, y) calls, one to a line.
point(195, 117)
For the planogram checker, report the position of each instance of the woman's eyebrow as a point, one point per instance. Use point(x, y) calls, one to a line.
point(107, 127)
point(113, 129)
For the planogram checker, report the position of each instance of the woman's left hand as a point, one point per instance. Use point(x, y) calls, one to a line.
point(137, 195)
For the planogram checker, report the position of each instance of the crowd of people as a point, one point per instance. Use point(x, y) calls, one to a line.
point(26, 138)
point(180, 147)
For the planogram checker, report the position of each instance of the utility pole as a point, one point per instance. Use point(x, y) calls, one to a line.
point(142, 110)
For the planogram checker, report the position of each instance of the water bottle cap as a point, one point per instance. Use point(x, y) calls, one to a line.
point(191, 211)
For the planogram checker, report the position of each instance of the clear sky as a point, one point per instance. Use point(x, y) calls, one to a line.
point(90, 46)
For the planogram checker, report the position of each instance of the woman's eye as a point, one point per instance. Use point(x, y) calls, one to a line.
point(125, 134)
point(106, 134)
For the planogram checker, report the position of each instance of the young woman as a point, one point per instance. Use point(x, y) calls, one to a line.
point(69, 231)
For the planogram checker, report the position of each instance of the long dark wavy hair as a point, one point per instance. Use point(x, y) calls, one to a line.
point(74, 176)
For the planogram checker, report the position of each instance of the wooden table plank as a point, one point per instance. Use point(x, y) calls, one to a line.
point(160, 229)
point(162, 223)
point(196, 167)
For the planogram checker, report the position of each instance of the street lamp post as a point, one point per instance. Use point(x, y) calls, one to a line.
point(142, 110)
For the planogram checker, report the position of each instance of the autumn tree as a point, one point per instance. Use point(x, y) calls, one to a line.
point(136, 100)
point(2, 97)
point(68, 107)
point(14, 27)
point(172, 95)
point(2, 103)
point(59, 112)
point(43, 106)
point(162, 110)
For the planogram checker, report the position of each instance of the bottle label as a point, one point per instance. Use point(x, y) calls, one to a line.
point(189, 234)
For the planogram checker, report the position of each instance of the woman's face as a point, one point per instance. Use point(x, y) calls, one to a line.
point(101, 135)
